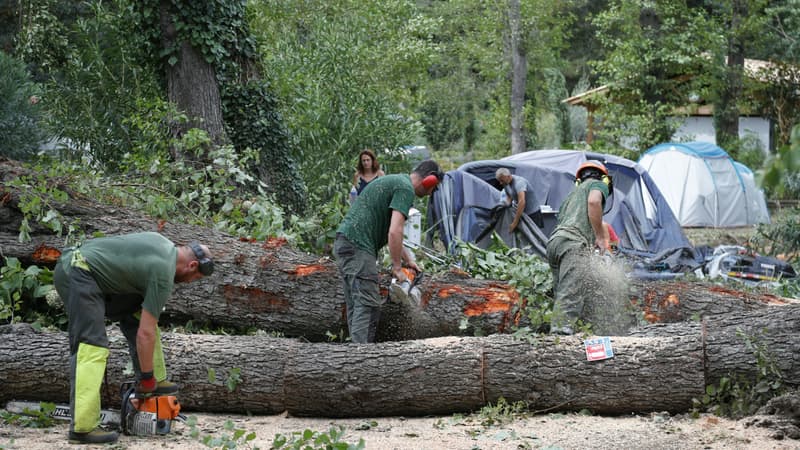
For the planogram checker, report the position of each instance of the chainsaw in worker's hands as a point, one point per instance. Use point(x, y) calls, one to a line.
point(407, 291)
point(142, 415)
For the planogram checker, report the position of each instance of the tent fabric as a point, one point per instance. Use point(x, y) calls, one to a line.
point(704, 186)
point(469, 200)
point(757, 205)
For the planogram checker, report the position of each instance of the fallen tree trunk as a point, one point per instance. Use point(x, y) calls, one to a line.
point(678, 301)
point(662, 368)
point(270, 286)
point(266, 285)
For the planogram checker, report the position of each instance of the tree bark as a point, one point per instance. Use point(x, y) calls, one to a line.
point(678, 301)
point(519, 70)
point(191, 84)
point(270, 286)
point(662, 368)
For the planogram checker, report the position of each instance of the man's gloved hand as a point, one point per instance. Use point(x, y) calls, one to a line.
point(146, 384)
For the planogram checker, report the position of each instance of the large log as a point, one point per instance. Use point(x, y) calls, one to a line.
point(678, 301)
point(662, 368)
point(266, 285)
point(270, 286)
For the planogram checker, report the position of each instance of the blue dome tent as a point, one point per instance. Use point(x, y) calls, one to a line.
point(704, 186)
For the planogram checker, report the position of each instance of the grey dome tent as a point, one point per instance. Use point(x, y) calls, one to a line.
point(704, 186)
point(468, 203)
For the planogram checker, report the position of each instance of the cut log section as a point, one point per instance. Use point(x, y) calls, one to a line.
point(661, 368)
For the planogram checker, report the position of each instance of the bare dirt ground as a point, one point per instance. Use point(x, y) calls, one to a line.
point(719, 236)
point(546, 431)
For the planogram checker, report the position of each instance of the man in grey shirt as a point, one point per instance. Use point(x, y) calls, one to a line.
point(518, 190)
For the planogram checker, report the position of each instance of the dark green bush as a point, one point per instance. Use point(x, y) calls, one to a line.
point(20, 131)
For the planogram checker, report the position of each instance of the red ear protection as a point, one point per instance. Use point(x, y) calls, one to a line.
point(430, 181)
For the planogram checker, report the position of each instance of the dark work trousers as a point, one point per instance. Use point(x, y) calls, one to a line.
point(359, 272)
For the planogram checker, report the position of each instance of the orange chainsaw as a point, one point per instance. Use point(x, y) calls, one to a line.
point(142, 416)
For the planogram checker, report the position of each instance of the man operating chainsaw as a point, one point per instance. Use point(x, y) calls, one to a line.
point(580, 229)
point(376, 218)
point(126, 279)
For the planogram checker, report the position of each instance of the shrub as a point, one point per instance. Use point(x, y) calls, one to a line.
point(20, 132)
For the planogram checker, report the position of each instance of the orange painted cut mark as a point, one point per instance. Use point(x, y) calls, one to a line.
point(765, 298)
point(274, 242)
point(447, 292)
point(308, 269)
point(161, 224)
point(45, 254)
point(256, 300)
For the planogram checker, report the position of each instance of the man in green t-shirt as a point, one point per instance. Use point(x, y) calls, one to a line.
point(126, 279)
point(579, 230)
point(376, 218)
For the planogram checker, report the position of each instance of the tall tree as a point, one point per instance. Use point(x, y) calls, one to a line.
point(656, 57)
point(209, 57)
point(744, 23)
point(191, 77)
point(519, 73)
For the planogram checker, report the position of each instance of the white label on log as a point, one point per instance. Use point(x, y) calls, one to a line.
point(598, 348)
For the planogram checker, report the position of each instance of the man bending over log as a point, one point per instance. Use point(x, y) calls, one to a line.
point(375, 218)
point(127, 279)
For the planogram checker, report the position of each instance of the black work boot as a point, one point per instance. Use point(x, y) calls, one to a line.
point(95, 436)
point(165, 388)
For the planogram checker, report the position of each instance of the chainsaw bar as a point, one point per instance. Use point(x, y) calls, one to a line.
point(61, 412)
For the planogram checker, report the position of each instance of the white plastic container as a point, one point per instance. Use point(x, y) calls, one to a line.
point(412, 232)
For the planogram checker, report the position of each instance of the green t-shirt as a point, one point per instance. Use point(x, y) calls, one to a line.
point(140, 264)
point(367, 222)
point(573, 215)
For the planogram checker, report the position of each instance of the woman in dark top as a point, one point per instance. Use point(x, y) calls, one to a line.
point(367, 170)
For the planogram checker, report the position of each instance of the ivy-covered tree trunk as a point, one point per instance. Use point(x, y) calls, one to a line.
point(210, 61)
point(191, 80)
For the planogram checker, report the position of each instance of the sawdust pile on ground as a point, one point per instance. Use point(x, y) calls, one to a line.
point(548, 431)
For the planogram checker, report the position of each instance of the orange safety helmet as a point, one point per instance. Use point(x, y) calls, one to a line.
point(589, 164)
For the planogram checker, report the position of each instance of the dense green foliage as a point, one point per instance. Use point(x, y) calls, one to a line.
point(20, 131)
point(342, 69)
point(93, 79)
point(305, 85)
point(648, 51)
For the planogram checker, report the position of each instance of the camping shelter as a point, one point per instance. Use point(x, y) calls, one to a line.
point(469, 202)
point(704, 186)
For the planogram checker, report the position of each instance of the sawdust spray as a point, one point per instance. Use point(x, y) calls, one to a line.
point(605, 290)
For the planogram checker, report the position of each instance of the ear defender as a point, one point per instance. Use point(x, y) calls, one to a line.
point(430, 181)
point(605, 179)
point(206, 264)
point(595, 165)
